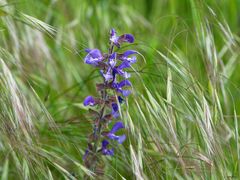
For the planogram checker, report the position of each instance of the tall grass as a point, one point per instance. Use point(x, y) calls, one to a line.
point(182, 120)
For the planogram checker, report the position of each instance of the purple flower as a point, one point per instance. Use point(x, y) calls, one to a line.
point(126, 38)
point(104, 149)
point(120, 99)
point(127, 61)
point(115, 110)
point(125, 64)
point(126, 54)
point(87, 50)
point(89, 100)
point(129, 52)
point(117, 40)
point(85, 155)
point(108, 75)
point(113, 36)
point(122, 73)
point(119, 86)
point(112, 59)
point(93, 57)
point(124, 83)
point(115, 128)
point(126, 92)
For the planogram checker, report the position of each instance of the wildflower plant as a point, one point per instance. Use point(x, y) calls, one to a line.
point(112, 92)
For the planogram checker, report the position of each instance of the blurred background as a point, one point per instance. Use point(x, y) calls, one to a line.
point(182, 118)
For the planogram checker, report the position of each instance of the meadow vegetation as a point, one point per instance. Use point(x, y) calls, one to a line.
point(181, 119)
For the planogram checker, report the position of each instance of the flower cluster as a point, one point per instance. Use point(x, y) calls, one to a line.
point(113, 90)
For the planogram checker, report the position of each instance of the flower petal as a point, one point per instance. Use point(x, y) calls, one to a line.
point(124, 64)
point(129, 52)
point(112, 32)
point(113, 37)
point(104, 149)
point(132, 59)
point(104, 143)
point(126, 54)
point(115, 110)
point(120, 99)
point(112, 59)
point(126, 38)
point(112, 136)
point(115, 114)
point(122, 73)
point(114, 107)
point(124, 83)
point(108, 152)
point(87, 50)
point(121, 139)
point(126, 75)
point(126, 92)
point(85, 154)
point(89, 100)
point(118, 125)
point(117, 40)
point(95, 53)
point(108, 76)
point(93, 57)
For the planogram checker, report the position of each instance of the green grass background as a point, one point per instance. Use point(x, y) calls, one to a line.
point(182, 118)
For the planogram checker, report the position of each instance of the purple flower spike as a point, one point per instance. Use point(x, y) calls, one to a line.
point(113, 67)
point(115, 110)
point(89, 100)
point(115, 128)
point(106, 151)
point(93, 57)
